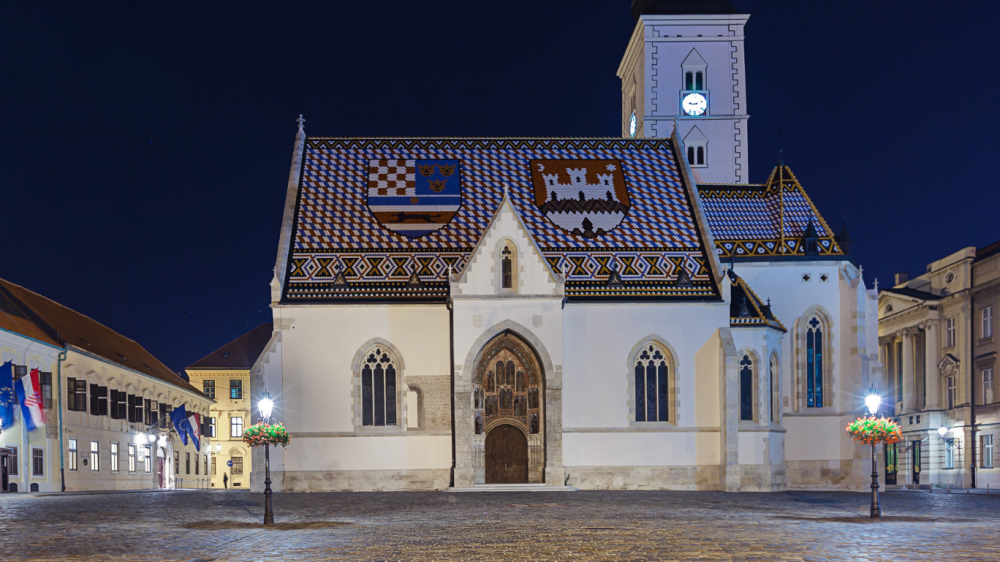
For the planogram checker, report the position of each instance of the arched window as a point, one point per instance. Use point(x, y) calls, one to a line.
point(689, 80)
point(378, 388)
point(691, 159)
point(775, 386)
point(700, 158)
point(699, 81)
point(814, 363)
point(746, 388)
point(651, 385)
point(508, 267)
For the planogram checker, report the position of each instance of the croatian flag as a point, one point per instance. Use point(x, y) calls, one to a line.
point(179, 418)
point(29, 394)
point(194, 429)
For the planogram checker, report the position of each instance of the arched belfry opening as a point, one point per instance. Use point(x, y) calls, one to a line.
point(508, 413)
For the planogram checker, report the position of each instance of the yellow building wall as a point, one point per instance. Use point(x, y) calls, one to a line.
point(225, 446)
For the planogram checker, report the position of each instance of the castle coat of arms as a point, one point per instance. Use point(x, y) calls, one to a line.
point(414, 197)
point(585, 197)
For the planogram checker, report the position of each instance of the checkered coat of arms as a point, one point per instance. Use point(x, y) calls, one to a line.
point(414, 197)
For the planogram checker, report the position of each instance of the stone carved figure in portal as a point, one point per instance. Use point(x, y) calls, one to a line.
point(507, 392)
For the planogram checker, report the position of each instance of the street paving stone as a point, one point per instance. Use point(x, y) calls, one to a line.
point(579, 526)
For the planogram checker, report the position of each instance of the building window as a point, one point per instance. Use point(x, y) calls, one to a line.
point(177, 462)
point(506, 266)
point(212, 428)
point(987, 316)
point(196, 465)
point(652, 385)
point(949, 453)
point(213, 466)
point(187, 463)
point(76, 395)
point(72, 454)
point(209, 387)
point(378, 389)
point(114, 457)
point(951, 392)
point(45, 379)
point(237, 466)
point(12, 470)
point(814, 363)
point(131, 458)
point(206, 466)
point(236, 389)
point(949, 332)
point(775, 395)
point(95, 457)
point(236, 426)
point(697, 147)
point(37, 462)
point(98, 400)
point(988, 386)
point(746, 388)
point(986, 450)
point(147, 458)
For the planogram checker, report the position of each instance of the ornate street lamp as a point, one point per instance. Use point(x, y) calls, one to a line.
point(873, 401)
point(265, 406)
point(942, 431)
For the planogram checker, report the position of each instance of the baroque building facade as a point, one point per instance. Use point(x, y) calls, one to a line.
point(937, 340)
point(104, 397)
point(224, 377)
point(571, 312)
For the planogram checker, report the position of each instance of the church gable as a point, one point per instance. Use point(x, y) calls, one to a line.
point(507, 261)
point(384, 219)
point(774, 219)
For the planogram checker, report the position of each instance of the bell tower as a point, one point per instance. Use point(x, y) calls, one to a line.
point(685, 67)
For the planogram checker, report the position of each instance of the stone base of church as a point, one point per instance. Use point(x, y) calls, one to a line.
point(363, 480)
point(753, 478)
point(842, 474)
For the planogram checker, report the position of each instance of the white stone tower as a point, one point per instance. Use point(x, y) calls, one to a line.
point(685, 66)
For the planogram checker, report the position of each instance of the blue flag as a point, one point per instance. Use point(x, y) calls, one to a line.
point(179, 418)
point(8, 402)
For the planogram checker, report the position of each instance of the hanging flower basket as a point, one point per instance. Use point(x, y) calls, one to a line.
point(261, 434)
point(874, 431)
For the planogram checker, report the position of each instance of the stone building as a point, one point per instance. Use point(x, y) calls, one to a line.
point(583, 312)
point(105, 395)
point(224, 376)
point(936, 338)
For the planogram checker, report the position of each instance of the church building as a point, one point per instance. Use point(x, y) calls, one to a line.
point(600, 313)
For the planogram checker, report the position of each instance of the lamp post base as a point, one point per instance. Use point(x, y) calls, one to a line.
point(876, 510)
point(268, 516)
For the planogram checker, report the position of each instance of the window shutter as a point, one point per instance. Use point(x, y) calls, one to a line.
point(131, 408)
point(95, 407)
point(114, 404)
point(70, 394)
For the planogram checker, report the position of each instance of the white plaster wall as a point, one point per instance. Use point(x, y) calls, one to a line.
point(817, 438)
point(752, 449)
point(598, 339)
point(317, 349)
point(634, 449)
point(400, 452)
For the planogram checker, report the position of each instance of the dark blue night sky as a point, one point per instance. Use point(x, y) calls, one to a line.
point(145, 147)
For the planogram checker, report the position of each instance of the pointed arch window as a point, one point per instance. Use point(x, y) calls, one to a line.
point(651, 373)
point(775, 394)
point(508, 267)
point(378, 388)
point(746, 388)
point(814, 363)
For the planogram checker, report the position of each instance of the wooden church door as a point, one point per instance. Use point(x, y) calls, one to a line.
point(506, 456)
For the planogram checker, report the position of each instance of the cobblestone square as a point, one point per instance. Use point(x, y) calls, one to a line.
point(598, 526)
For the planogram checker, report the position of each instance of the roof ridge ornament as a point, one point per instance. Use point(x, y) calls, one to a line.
point(302, 123)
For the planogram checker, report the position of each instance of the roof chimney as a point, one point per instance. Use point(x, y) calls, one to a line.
point(902, 278)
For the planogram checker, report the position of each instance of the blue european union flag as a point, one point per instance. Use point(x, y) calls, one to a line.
point(179, 418)
point(8, 401)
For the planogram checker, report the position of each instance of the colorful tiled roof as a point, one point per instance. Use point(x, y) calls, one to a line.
point(746, 309)
point(765, 220)
point(346, 248)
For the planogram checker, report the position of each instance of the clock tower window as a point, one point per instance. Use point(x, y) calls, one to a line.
point(694, 80)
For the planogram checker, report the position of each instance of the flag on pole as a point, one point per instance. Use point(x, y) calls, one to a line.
point(29, 394)
point(194, 430)
point(179, 418)
point(8, 401)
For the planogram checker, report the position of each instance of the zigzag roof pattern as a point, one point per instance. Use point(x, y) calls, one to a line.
point(341, 251)
point(765, 220)
point(746, 310)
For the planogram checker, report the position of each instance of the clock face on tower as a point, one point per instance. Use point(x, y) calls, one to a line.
point(631, 126)
point(694, 104)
